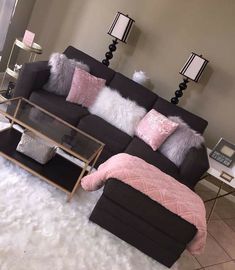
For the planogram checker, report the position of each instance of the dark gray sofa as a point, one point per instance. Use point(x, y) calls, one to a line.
point(122, 210)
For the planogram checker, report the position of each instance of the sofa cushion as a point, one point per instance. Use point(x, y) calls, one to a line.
point(150, 212)
point(195, 122)
point(114, 139)
point(140, 149)
point(57, 105)
point(96, 68)
point(105, 155)
point(135, 231)
point(134, 91)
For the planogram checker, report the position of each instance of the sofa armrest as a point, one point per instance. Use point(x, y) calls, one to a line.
point(195, 164)
point(32, 77)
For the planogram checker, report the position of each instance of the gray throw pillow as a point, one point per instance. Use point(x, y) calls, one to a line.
point(180, 141)
point(61, 76)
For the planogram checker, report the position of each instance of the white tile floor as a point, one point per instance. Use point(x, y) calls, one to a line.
point(219, 253)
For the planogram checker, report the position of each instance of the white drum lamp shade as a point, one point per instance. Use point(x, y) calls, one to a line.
point(121, 27)
point(194, 67)
point(120, 30)
point(192, 70)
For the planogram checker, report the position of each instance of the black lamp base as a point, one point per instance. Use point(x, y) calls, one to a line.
point(179, 92)
point(109, 54)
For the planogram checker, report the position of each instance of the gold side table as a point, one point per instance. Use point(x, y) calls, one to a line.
point(33, 51)
point(225, 175)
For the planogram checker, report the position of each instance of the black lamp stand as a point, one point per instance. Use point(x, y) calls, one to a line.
point(109, 54)
point(179, 92)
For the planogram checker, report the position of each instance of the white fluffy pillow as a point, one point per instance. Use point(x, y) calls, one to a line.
point(118, 111)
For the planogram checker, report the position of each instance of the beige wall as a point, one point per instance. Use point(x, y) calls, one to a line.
point(165, 33)
point(16, 29)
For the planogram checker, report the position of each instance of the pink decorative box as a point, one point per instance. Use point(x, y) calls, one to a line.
point(28, 38)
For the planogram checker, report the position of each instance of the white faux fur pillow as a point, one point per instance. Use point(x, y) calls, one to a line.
point(122, 113)
point(178, 144)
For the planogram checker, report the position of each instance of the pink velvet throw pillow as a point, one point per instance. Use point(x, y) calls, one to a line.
point(84, 88)
point(154, 129)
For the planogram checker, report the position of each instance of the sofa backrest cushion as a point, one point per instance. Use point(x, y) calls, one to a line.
point(195, 122)
point(134, 91)
point(96, 68)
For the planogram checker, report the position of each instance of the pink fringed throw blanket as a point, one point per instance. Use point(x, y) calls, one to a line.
point(157, 185)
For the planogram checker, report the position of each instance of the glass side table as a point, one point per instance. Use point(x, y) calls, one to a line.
point(226, 176)
point(12, 69)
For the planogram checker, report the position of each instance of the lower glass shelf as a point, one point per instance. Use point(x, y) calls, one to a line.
point(59, 171)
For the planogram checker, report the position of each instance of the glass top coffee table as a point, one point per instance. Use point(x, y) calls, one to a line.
point(59, 171)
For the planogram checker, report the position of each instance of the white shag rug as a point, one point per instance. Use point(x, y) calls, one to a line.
point(39, 230)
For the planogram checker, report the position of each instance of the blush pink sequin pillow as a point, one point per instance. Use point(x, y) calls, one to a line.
point(84, 88)
point(154, 128)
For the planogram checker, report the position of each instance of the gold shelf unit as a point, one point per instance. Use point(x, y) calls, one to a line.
point(33, 51)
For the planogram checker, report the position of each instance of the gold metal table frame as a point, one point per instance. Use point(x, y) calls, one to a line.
point(224, 175)
point(15, 118)
point(218, 196)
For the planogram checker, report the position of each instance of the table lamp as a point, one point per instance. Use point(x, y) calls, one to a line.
point(120, 30)
point(192, 70)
